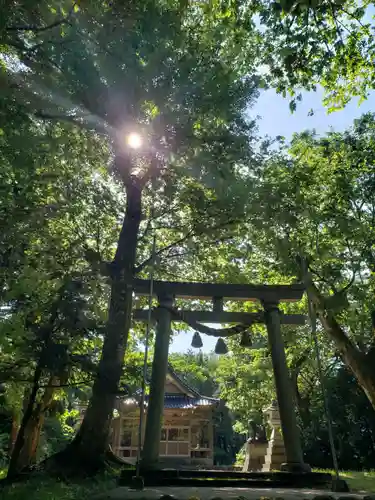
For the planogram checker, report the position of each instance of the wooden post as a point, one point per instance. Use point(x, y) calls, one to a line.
point(150, 455)
point(284, 392)
point(217, 304)
point(211, 437)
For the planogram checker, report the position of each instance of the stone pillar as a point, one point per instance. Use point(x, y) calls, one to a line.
point(255, 452)
point(285, 396)
point(150, 455)
point(275, 452)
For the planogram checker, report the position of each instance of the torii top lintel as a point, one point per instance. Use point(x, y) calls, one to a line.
point(195, 290)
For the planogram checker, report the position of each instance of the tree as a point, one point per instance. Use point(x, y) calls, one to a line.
point(313, 200)
point(306, 44)
point(316, 205)
point(199, 370)
point(49, 225)
point(352, 420)
point(186, 100)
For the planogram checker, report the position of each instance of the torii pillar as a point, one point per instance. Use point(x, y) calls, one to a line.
point(150, 454)
point(285, 396)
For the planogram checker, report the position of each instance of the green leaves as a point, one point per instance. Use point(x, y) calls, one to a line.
point(308, 43)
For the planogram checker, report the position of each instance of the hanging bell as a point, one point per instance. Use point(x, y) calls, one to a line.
point(196, 341)
point(246, 339)
point(221, 347)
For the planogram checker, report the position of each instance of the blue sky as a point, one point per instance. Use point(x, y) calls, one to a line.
point(276, 119)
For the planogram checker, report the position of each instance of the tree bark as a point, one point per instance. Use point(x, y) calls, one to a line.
point(91, 441)
point(14, 430)
point(35, 425)
point(14, 466)
point(27, 442)
point(359, 362)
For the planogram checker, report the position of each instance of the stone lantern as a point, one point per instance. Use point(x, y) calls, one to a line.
point(275, 453)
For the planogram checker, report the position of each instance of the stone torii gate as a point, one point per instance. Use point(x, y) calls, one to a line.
point(269, 296)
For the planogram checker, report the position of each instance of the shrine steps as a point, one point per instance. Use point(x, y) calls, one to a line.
point(217, 478)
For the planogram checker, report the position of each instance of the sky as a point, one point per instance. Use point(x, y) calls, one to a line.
point(276, 119)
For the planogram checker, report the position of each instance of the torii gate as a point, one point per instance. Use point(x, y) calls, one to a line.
point(269, 296)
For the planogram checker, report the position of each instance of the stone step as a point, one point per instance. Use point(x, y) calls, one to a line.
point(207, 478)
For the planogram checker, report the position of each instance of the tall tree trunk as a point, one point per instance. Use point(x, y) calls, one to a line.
point(26, 445)
point(359, 362)
point(14, 468)
point(16, 417)
point(91, 441)
point(34, 426)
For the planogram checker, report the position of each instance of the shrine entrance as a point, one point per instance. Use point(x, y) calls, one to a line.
point(268, 297)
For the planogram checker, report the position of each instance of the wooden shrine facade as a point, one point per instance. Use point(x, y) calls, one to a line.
point(187, 429)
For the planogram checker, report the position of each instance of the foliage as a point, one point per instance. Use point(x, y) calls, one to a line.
point(187, 100)
point(316, 199)
point(198, 370)
point(77, 80)
point(315, 202)
point(246, 383)
point(327, 43)
point(240, 457)
point(353, 423)
point(288, 45)
point(47, 212)
point(52, 303)
point(58, 431)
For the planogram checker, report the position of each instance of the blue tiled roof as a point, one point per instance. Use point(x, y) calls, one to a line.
point(179, 401)
point(185, 402)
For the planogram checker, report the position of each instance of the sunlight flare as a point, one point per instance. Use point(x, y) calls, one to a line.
point(134, 140)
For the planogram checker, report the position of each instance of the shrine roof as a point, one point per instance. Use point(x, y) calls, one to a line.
point(182, 401)
point(179, 401)
point(185, 402)
point(187, 398)
point(182, 382)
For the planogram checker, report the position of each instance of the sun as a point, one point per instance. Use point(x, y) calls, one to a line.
point(134, 140)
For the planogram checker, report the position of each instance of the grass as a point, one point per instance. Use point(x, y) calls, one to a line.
point(358, 481)
point(44, 488)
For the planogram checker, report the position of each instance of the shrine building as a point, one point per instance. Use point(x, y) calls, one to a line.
point(187, 434)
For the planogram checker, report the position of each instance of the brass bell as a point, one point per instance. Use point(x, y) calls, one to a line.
point(246, 339)
point(196, 341)
point(221, 347)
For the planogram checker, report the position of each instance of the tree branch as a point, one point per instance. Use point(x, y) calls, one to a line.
point(346, 346)
point(49, 116)
point(39, 29)
point(191, 233)
point(146, 230)
point(151, 171)
point(79, 120)
point(145, 263)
